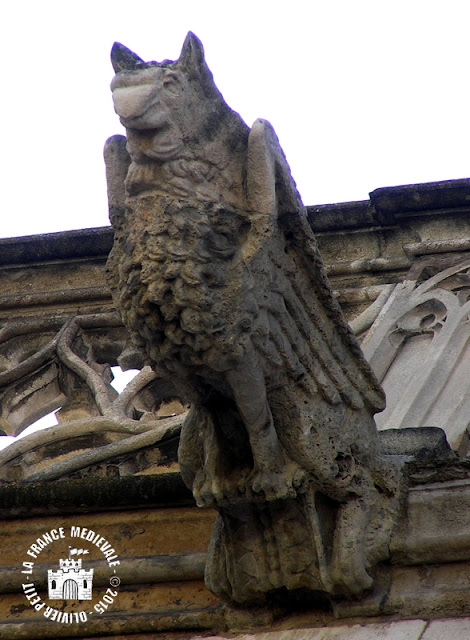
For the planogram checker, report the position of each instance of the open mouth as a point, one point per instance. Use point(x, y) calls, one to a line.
point(159, 143)
point(147, 121)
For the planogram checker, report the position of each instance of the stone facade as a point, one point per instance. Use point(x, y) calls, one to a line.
point(398, 265)
point(407, 260)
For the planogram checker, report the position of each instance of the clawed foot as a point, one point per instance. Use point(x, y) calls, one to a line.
point(205, 490)
point(270, 485)
point(209, 491)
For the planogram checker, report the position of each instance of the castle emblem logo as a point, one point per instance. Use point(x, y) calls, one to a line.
point(70, 582)
point(70, 579)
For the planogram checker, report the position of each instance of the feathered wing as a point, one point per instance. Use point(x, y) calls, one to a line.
point(301, 329)
point(117, 161)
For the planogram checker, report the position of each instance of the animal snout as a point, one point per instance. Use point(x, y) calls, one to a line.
point(132, 102)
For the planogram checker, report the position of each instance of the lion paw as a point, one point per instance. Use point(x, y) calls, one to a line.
point(271, 485)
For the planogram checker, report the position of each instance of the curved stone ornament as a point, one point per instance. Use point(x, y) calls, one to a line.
point(65, 363)
point(419, 348)
point(217, 276)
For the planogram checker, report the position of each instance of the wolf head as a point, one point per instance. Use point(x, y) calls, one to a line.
point(168, 106)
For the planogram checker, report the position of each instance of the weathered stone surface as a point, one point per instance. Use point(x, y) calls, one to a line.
point(161, 554)
point(429, 591)
point(73, 496)
point(418, 347)
point(144, 532)
point(420, 443)
point(65, 245)
point(65, 363)
point(422, 197)
point(217, 276)
point(143, 626)
point(346, 215)
point(437, 524)
point(401, 630)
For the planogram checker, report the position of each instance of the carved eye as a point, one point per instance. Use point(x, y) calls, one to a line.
point(222, 245)
point(170, 80)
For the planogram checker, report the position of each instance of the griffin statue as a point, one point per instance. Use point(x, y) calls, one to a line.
point(216, 273)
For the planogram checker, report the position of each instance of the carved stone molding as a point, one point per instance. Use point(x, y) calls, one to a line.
point(419, 348)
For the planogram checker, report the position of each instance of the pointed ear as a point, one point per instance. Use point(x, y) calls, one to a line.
point(123, 59)
point(192, 53)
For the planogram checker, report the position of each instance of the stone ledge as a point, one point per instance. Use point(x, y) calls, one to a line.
point(419, 538)
point(155, 570)
point(65, 299)
point(132, 571)
point(436, 528)
point(68, 496)
point(441, 195)
point(65, 245)
point(384, 204)
point(388, 204)
point(111, 624)
point(344, 215)
point(451, 629)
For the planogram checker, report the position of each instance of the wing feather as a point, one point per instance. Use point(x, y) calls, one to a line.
point(311, 349)
point(316, 296)
point(308, 333)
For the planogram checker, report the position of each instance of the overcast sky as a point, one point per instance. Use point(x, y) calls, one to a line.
point(362, 94)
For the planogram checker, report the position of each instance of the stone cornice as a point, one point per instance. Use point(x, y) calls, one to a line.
point(65, 245)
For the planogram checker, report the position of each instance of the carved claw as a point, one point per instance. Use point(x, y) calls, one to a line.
point(211, 492)
point(206, 497)
point(274, 485)
point(202, 490)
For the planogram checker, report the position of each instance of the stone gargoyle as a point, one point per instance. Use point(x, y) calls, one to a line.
point(217, 276)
